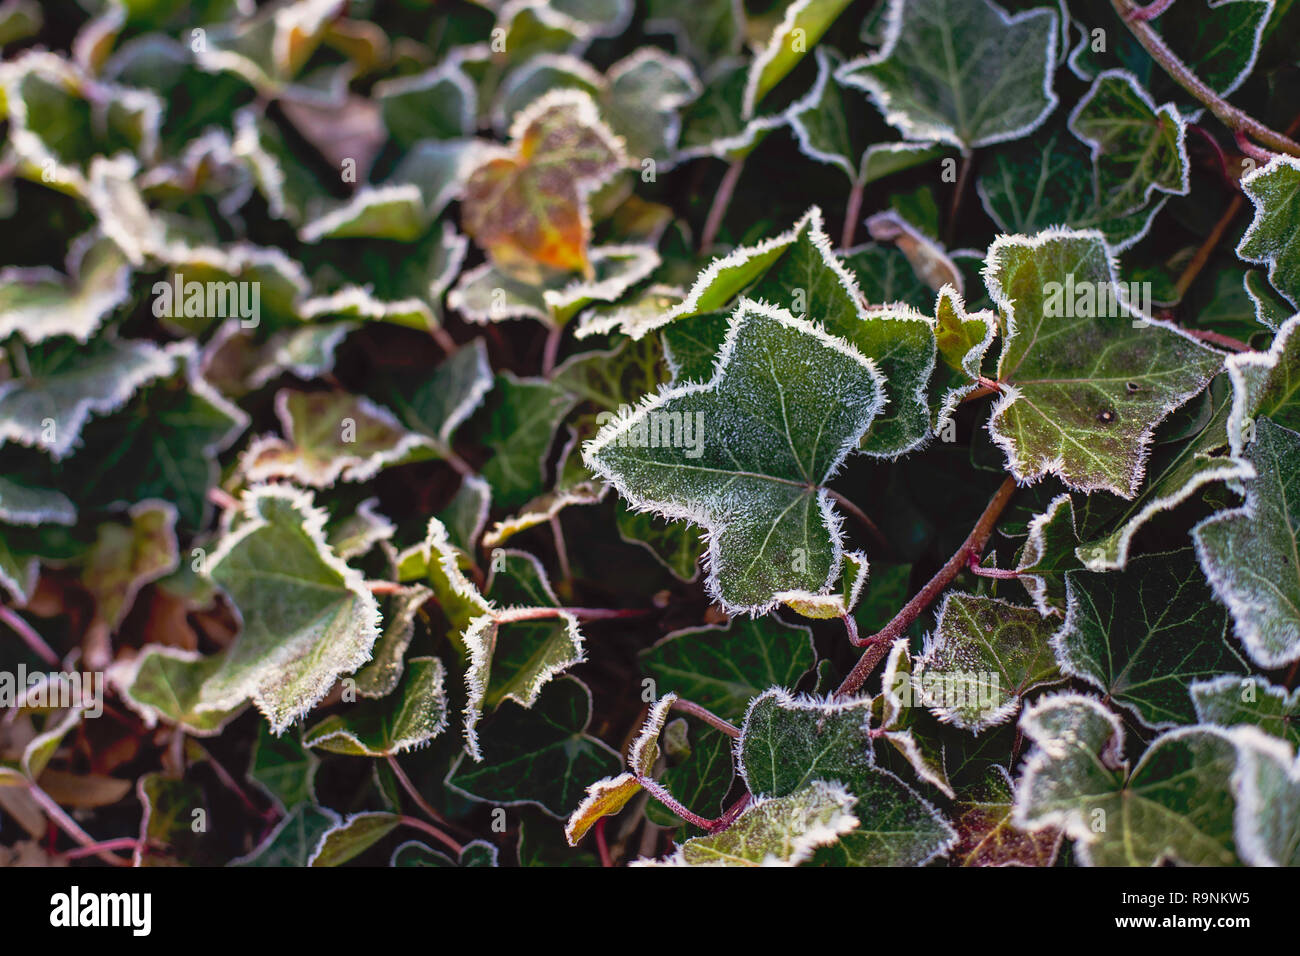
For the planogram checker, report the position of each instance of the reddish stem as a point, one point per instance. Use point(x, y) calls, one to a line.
point(973, 545)
point(35, 643)
point(602, 845)
point(852, 212)
point(710, 718)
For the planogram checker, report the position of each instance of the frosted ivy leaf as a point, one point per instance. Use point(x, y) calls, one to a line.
point(986, 834)
point(1267, 781)
point(529, 211)
point(505, 659)
point(1145, 634)
point(1049, 553)
point(409, 718)
point(962, 339)
point(25, 504)
point(283, 768)
point(269, 49)
point(444, 400)
point(543, 756)
point(826, 133)
point(1232, 699)
point(723, 668)
point(1271, 309)
point(1086, 375)
point(801, 26)
point(352, 836)
point(1137, 148)
point(308, 619)
point(440, 103)
point(774, 831)
point(48, 404)
point(798, 271)
point(519, 422)
point(748, 472)
point(984, 657)
point(34, 753)
point(294, 838)
point(1048, 180)
point(38, 303)
point(380, 675)
point(640, 96)
point(1249, 553)
point(905, 724)
point(1272, 238)
point(1265, 384)
point(55, 128)
point(476, 853)
point(1177, 469)
point(705, 29)
point(126, 557)
point(1176, 805)
point(715, 122)
point(488, 293)
point(787, 743)
point(1217, 41)
point(394, 212)
point(960, 72)
point(331, 436)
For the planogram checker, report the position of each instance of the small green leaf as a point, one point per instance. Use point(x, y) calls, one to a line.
point(1232, 699)
point(413, 715)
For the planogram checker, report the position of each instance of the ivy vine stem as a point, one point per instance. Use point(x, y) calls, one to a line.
point(660, 793)
point(721, 200)
point(434, 832)
point(512, 614)
point(879, 643)
point(405, 782)
point(1236, 120)
point(706, 715)
point(852, 211)
point(35, 643)
point(60, 819)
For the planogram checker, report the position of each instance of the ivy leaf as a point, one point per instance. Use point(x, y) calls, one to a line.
point(1145, 634)
point(124, 558)
point(441, 103)
point(984, 657)
point(170, 434)
point(284, 768)
point(723, 668)
point(1271, 238)
point(605, 798)
point(352, 836)
point(1264, 385)
point(294, 839)
point(41, 303)
point(798, 271)
point(788, 743)
point(772, 527)
point(308, 619)
point(409, 719)
point(705, 29)
point(1232, 699)
point(476, 853)
point(1087, 384)
point(1248, 553)
point(801, 26)
point(540, 756)
point(962, 73)
point(330, 436)
point(827, 131)
point(1137, 148)
point(1176, 471)
point(1050, 180)
point(444, 400)
point(774, 831)
point(48, 407)
point(522, 416)
point(1267, 781)
point(529, 210)
point(986, 835)
point(1175, 805)
point(674, 544)
point(1049, 553)
point(380, 676)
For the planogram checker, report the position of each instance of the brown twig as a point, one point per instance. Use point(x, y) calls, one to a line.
point(958, 194)
point(35, 643)
point(974, 544)
point(852, 212)
point(878, 538)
